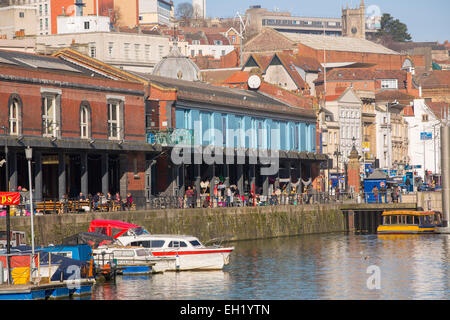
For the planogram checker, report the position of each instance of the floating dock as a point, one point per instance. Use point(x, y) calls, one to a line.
point(52, 290)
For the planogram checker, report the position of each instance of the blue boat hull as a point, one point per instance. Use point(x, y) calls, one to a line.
point(56, 291)
point(136, 270)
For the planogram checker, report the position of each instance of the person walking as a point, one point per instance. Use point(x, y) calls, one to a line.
point(96, 200)
point(376, 194)
point(228, 197)
point(129, 201)
point(309, 191)
point(109, 201)
point(383, 192)
point(189, 197)
point(118, 202)
point(408, 185)
point(195, 197)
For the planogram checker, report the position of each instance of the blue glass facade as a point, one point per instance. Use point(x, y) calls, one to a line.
point(245, 131)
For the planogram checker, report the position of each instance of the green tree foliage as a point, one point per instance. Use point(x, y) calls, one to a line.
point(393, 28)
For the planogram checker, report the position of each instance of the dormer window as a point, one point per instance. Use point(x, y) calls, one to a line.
point(389, 84)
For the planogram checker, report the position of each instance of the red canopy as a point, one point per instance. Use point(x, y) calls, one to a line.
point(112, 228)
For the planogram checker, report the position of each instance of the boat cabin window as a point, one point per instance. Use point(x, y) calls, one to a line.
point(394, 220)
point(437, 218)
point(416, 220)
point(148, 243)
point(139, 231)
point(115, 231)
point(409, 220)
point(177, 244)
point(142, 252)
point(102, 230)
point(195, 243)
point(124, 253)
point(67, 254)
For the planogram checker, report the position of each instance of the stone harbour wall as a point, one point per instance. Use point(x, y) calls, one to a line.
point(232, 224)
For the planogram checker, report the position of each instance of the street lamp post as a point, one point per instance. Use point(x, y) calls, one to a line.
point(337, 154)
point(29, 156)
point(8, 222)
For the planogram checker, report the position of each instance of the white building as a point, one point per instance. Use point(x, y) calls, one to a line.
point(82, 24)
point(44, 16)
point(199, 7)
point(217, 51)
point(156, 12)
point(41, 17)
point(138, 52)
point(424, 152)
point(346, 110)
point(383, 139)
point(17, 21)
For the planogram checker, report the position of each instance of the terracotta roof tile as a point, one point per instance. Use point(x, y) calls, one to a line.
point(435, 79)
point(212, 37)
point(439, 108)
point(238, 78)
point(392, 95)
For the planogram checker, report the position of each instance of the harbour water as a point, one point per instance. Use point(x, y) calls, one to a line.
point(331, 266)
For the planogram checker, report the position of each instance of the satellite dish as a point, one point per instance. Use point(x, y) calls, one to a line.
point(254, 82)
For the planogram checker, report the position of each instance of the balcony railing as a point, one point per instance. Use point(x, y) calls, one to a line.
point(170, 137)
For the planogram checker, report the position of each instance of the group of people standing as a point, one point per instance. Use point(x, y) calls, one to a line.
point(99, 201)
point(382, 193)
point(224, 196)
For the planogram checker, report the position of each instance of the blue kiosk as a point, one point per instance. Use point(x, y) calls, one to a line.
point(378, 178)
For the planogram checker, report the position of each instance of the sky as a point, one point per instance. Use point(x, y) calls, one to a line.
point(426, 20)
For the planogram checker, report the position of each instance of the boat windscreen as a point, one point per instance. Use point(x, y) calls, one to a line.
point(139, 231)
point(195, 243)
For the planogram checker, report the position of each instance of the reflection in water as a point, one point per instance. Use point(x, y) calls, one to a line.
point(307, 267)
point(168, 286)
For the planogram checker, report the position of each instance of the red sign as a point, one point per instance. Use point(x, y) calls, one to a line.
point(9, 198)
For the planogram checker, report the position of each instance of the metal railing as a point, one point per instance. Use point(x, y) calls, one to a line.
point(70, 206)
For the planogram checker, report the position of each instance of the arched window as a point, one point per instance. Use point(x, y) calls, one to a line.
point(85, 120)
point(14, 115)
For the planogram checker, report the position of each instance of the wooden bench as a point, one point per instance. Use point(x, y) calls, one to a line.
point(77, 205)
point(49, 207)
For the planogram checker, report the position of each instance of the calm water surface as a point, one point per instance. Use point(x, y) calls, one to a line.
point(306, 267)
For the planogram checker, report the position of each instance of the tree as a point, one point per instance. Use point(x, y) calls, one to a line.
point(184, 12)
point(393, 29)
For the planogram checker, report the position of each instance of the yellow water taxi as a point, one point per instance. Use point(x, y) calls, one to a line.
point(409, 222)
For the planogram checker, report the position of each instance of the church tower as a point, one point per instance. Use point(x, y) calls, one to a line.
point(354, 22)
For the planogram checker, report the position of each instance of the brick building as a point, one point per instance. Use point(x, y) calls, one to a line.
point(86, 128)
point(435, 85)
point(336, 49)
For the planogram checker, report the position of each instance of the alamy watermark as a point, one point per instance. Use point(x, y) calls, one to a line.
point(214, 146)
point(374, 280)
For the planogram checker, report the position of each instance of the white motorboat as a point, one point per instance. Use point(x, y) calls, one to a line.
point(188, 251)
point(131, 260)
